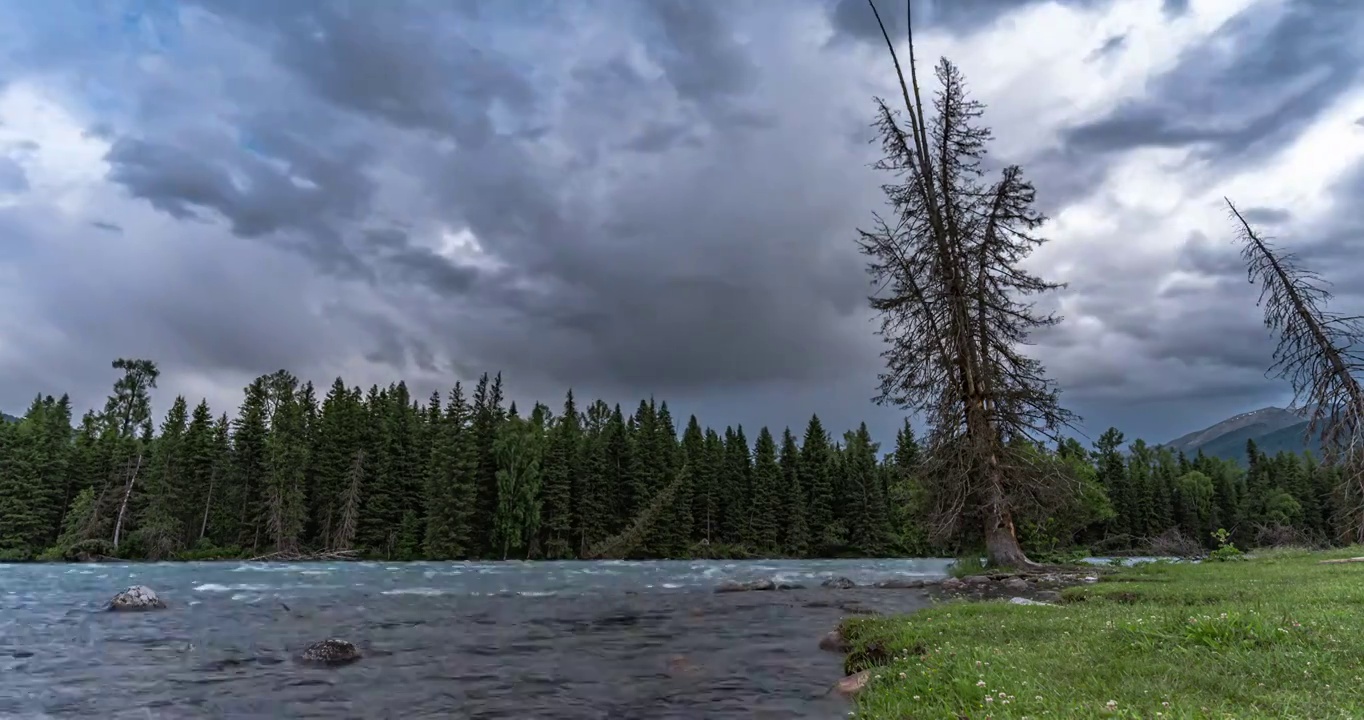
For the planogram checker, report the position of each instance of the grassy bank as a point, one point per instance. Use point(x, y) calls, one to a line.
point(1277, 636)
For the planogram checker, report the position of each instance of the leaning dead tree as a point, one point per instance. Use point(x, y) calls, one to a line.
point(955, 312)
point(1321, 354)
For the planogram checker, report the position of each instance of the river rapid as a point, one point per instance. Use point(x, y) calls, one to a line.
point(570, 640)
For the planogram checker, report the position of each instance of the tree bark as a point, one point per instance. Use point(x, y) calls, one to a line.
point(127, 493)
point(1002, 549)
point(1001, 543)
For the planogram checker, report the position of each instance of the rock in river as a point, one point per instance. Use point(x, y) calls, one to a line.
point(853, 684)
point(748, 586)
point(833, 641)
point(331, 652)
point(839, 583)
point(137, 597)
point(903, 583)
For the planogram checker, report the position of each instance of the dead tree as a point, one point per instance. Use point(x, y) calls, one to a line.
point(1319, 353)
point(954, 309)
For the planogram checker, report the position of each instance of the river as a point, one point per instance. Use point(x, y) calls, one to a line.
point(570, 640)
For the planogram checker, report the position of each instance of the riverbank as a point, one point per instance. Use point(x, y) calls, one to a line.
point(1277, 636)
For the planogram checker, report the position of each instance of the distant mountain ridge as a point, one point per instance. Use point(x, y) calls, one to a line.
point(6, 417)
point(1273, 429)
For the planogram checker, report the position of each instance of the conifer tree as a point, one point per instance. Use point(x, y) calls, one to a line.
point(287, 457)
point(816, 478)
point(250, 464)
point(561, 466)
point(1112, 474)
point(451, 489)
point(764, 504)
point(795, 532)
point(161, 524)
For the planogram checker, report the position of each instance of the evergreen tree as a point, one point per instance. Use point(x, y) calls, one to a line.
point(451, 489)
point(707, 475)
point(1112, 474)
point(563, 463)
point(764, 502)
point(795, 532)
point(733, 485)
point(287, 451)
point(161, 523)
point(250, 464)
point(815, 476)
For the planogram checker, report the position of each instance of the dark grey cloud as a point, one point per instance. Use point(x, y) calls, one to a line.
point(1175, 8)
point(1110, 47)
point(853, 19)
point(1258, 80)
point(625, 198)
point(1266, 215)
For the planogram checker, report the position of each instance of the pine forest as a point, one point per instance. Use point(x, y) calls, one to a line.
point(380, 474)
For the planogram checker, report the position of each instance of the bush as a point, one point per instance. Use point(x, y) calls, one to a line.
point(1225, 550)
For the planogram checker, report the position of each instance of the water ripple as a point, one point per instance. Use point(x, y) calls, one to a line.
point(470, 640)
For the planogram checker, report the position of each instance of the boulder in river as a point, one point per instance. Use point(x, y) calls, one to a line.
point(853, 684)
point(137, 597)
point(839, 583)
point(833, 641)
point(730, 586)
point(332, 652)
point(903, 583)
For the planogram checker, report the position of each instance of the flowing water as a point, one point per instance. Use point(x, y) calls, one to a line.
point(619, 640)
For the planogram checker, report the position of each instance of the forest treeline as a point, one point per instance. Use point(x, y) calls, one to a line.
point(380, 474)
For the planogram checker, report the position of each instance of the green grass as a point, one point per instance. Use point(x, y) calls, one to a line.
point(1277, 636)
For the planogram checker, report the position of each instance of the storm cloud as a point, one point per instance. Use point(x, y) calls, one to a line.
point(641, 199)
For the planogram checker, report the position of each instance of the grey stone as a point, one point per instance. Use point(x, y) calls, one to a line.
point(332, 652)
point(833, 641)
point(137, 598)
point(730, 586)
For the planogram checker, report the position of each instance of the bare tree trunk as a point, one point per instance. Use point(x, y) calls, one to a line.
point(350, 506)
point(208, 503)
point(1001, 541)
point(127, 493)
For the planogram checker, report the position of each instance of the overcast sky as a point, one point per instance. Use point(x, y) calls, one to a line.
point(636, 198)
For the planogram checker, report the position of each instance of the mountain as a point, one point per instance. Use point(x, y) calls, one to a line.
point(6, 417)
point(1273, 429)
point(1246, 425)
